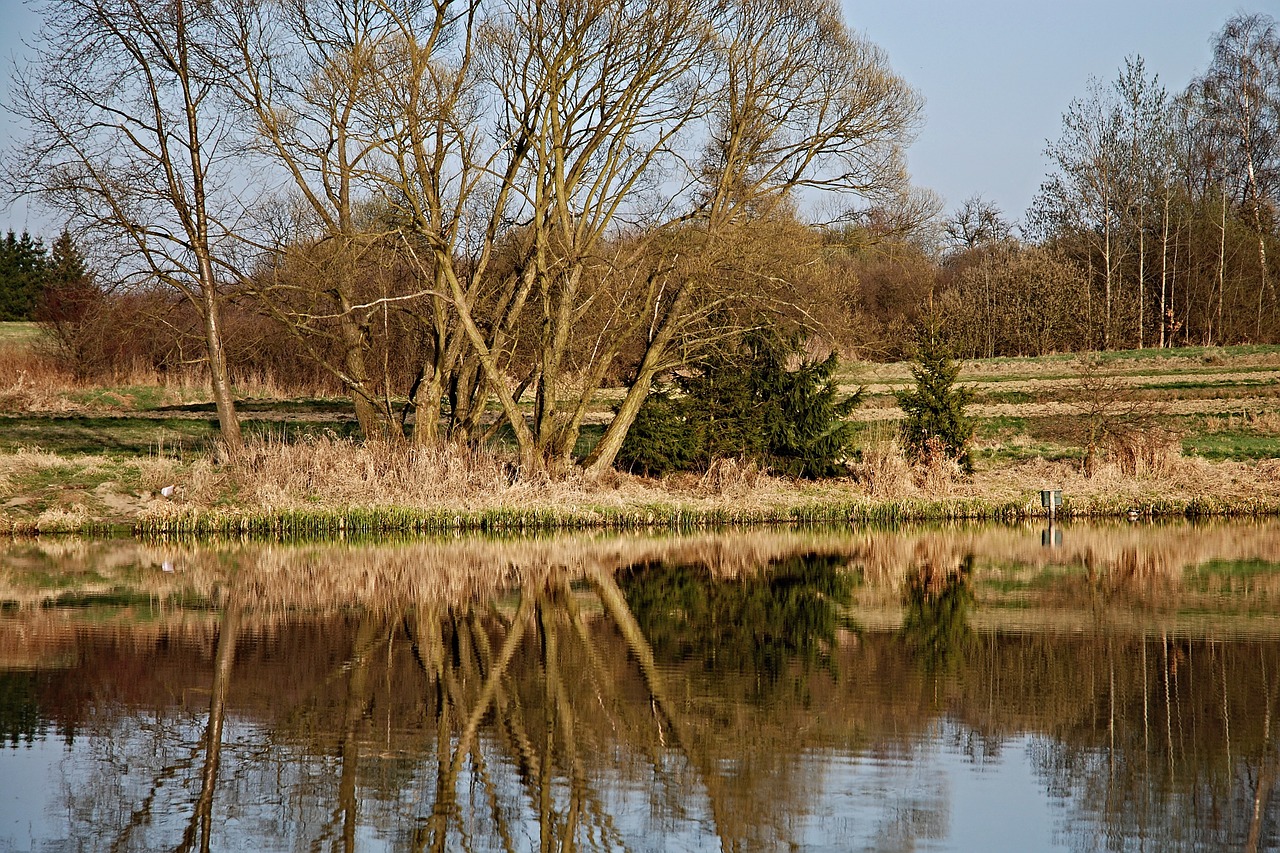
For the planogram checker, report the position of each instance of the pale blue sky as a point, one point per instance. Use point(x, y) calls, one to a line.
point(996, 76)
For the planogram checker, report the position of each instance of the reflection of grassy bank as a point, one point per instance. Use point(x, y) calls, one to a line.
point(1224, 568)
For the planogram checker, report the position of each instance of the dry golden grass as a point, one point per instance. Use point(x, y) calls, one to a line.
point(885, 472)
point(48, 492)
point(1259, 423)
point(328, 475)
point(277, 473)
point(31, 380)
point(332, 472)
point(730, 478)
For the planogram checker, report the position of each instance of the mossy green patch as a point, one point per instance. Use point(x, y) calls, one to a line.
point(1222, 446)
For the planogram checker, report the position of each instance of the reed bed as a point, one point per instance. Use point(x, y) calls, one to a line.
point(329, 487)
point(303, 524)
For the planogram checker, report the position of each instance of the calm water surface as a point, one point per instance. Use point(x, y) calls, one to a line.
point(962, 688)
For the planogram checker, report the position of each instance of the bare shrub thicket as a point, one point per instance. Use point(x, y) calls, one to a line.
point(1110, 414)
point(149, 336)
point(1147, 451)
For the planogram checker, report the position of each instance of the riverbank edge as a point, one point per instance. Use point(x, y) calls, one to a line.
point(364, 520)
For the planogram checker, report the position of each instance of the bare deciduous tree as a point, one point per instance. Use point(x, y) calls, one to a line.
point(1242, 92)
point(128, 141)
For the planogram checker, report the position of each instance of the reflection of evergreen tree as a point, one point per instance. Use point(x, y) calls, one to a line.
point(20, 720)
point(935, 624)
point(756, 625)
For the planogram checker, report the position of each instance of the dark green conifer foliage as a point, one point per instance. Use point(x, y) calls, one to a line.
point(747, 403)
point(66, 267)
point(22, 273)
point(935, 407)
point(660, 439)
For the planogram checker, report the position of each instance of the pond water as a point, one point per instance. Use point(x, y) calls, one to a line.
point(957, 688)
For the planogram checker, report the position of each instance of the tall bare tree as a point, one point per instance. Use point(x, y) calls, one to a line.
point(801, 106)
point(1242, 92)
point(309, 78)
point(1083, 196)
point(129, 141)
point(556, 188)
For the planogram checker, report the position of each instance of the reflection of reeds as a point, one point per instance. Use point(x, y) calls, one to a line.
point(326, 577)
point(1145, 562)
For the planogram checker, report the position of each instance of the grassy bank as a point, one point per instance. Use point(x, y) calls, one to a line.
point(139, 455)
point(326, 487)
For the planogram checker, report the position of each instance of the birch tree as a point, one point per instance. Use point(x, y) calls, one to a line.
point(1242, 91)
point(1083, 195)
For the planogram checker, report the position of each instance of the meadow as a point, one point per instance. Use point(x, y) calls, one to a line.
point(1192, 431)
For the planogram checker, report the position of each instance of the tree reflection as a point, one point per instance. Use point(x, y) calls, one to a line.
point(201, 825)
point(935, 621)
point(20, 718)
point(760, 624)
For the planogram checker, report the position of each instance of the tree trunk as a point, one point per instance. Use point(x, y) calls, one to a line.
point(223, 399)
point(606, 450)
point(530, 458)
point(1222, 263)
point(1164, 276)
point(1106, 277)
point(1142, 279)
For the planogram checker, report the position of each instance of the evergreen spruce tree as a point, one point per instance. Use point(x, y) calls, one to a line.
point(747, 403)
point(660, 439)
point(22, 272)
point(66, 267)
point(935, 407)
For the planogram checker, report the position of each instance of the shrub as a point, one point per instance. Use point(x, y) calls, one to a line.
point(660, 438)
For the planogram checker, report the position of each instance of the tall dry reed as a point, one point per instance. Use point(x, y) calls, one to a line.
point(885, 472)
point(1149, 452)
point(274, 472)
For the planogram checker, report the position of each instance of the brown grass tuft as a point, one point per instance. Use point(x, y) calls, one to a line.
point(885, 472)
point(1148, 452)
point(936, 471)
point(730, 477)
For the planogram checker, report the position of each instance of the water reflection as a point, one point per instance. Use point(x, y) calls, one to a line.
point(757, 691)
point(935, 621)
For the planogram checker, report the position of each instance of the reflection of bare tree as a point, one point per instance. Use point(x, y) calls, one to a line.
point(202, 817)
point(470, 667)
point(504, 715)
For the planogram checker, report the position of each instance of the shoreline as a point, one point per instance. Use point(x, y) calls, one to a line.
point(228, 506)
